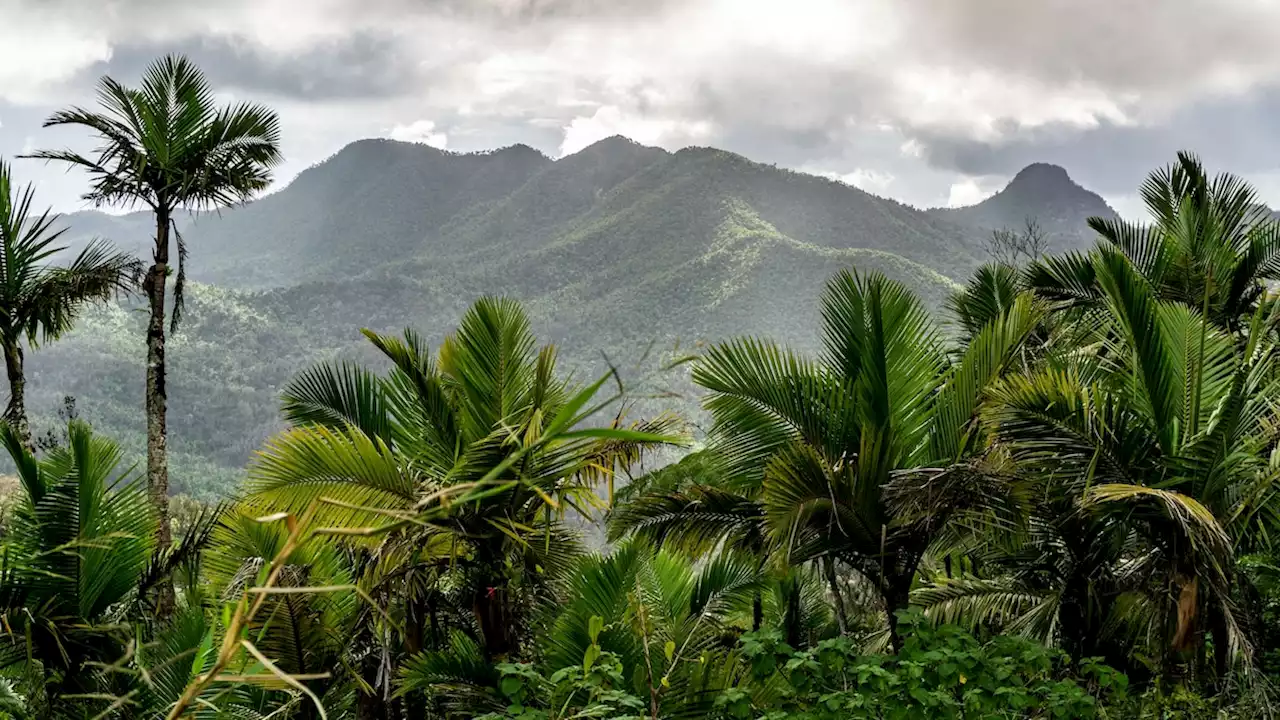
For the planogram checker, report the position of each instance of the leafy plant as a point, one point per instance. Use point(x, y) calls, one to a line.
point(940, 671)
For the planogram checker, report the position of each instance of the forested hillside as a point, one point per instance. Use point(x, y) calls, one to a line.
point(615, 250)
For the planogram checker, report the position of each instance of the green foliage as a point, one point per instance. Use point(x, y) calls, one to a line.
point(941, 671)
point(590, 690)
point(1075, 493)
point(76, 551)
point(594, 688)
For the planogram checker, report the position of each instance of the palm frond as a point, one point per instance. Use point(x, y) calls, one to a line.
point(337, 397)
point(991, 351)
point(1000, 604)
point(990, 292)
point(692, 521)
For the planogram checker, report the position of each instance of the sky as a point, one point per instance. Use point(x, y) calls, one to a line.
point(931, 102)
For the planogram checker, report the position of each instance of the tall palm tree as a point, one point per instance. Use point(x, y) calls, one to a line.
point(1210, 245)
point(856, 459)
point(38, 301)
point(381, 448)
point(168, 145)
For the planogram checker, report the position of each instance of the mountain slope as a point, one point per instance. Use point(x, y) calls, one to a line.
point(369, 203)
point(1042, 193)
point(622, 253)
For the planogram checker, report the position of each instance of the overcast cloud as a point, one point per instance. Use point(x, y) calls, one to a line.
point(927, 101)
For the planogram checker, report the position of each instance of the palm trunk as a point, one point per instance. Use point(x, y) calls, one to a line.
point(793, 630)
point(157, 460)
point(434, 614)
point(495, 622)
point(16, 412)
point(837, 598)
point(415, 702)
point(1076, 616)
point(897, 597)
point(374, 705)
point(371, 707)
point(1221, 646)
point(489, 603)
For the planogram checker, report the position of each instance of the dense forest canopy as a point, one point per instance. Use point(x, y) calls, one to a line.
point(1017, 460)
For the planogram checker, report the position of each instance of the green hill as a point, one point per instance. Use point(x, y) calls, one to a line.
point(620, 251)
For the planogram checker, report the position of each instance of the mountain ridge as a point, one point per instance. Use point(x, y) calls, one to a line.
point(620, 252)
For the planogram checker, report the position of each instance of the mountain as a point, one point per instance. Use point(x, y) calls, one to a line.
point(1042, 193)
point(132, 233)
point(624, 255)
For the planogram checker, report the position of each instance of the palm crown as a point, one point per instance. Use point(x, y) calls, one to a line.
point(858, 458)
point(38, 300)
point(78, 546)
point(168, 145)
point(1211, 245)
point(489, 407)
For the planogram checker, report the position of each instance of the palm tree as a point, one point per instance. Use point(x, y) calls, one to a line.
point(376, 449)
point(307, 635)
point(39, 302)
point(169, 146)
point(78, 546)
point(855, 460)
point(1210, 245)
point(1150, 451)
point(663, 616)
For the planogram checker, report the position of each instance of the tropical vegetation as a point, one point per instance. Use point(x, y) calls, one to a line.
point(167, 145)
point(40, 301)
point(1057, 499)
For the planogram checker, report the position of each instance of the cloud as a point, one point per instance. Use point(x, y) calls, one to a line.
point(610, 120)
point(363, 65)
point(872, 181)
point(926, 92)
point(420, 131)
point(967, 192)
point(39, 47)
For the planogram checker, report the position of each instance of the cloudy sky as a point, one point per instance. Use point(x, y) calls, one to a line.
point(933, 102)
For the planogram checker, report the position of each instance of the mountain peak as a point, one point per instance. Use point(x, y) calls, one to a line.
point(616, 145)
point(1044, 171)
point(1047, 186)
point(384, 144)
point(1046, 194)
point(1043, 179)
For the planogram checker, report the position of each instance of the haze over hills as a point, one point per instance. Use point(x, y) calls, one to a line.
point(615, 250)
